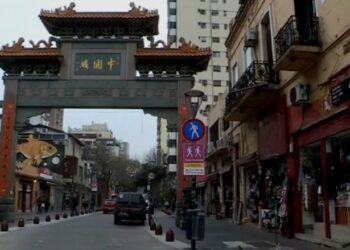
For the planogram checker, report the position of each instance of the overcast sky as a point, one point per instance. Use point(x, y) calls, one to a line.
point(19, 18)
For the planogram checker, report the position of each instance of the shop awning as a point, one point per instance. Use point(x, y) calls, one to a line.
point(247, 159)
point(212, 176)
point(224, 170)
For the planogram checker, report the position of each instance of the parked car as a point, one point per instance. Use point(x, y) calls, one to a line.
point(108, 206)
point(130, 206)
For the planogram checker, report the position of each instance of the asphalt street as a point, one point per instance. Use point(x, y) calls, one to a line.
point(97, 232)
point(88, 232)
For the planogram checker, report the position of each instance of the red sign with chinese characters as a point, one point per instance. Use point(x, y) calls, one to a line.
point(8, 124)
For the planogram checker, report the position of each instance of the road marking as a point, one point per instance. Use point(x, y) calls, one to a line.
point(236, 244)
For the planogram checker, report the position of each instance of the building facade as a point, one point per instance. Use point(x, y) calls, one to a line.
point(289, 96)
point(205, 23)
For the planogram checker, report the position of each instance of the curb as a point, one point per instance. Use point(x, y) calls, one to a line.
point(42, 223)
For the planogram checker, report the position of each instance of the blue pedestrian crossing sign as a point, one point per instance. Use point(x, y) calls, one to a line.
point(193, 130)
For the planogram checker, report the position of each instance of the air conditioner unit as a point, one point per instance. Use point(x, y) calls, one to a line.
point(299, 94)
point(250, 38)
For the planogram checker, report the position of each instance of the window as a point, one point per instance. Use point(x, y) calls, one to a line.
point(216, 98)
point(172, 11)
point(214, 1)
point(225, 26)
point(205, 98)
point(214, 12)
point(225, 13)
point(215, 26)
point(227, 68)
point(203, 39)
point(201, 11)
point(172, 25)
point(216, 53)
point(224, 1)
point(203, 1)
point(248, 57)
point(216, 39)
point(202, 25)
point(234, 74)
point(172, 5)
point(172, 159)
point(217, 83)
point(216, 68)
point(203, 82)
point(172, 38)
point(172, 143)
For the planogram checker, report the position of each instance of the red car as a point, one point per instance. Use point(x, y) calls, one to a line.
point(108, 206)
point(130, 206)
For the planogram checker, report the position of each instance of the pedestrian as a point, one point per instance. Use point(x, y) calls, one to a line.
point(38, 205)
point(42, 206)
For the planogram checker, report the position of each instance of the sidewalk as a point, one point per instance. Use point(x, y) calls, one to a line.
point(29, 216)
point(222, 234)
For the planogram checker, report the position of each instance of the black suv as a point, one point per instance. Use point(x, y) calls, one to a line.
point(130, 206)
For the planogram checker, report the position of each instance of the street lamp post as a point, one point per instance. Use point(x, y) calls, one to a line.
point(196, 98)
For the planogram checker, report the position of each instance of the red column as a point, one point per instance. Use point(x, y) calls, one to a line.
point(182, 179)
point(6, 148)
point(327, 227)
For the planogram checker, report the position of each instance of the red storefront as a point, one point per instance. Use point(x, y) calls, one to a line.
point(319, 160)
point(272, 148)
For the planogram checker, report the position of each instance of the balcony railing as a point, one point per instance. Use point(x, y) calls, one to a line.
point(214, 146)
point(257, 74)
point(297, 33)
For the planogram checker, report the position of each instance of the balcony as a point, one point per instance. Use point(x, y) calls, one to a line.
point(297, 44)
point(218, 148)
point(255, 89)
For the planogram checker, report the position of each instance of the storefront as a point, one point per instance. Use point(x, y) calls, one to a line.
point(319, 163)
point(213, 193)
point(25, 196)
point(251, 175)
point(26, 188)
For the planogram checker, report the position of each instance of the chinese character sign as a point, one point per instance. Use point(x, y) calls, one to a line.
point(98, 64)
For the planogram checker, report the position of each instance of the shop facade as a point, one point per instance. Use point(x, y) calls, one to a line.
point(320, 163)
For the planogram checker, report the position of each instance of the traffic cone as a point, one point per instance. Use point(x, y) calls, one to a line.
point(36, 220)
point(20, 223)
point(169, 235)
point(152, 226)
point(159, 230)
point(4, 226)
point(48, 218)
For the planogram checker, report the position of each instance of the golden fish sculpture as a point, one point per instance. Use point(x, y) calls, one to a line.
point(35, 150)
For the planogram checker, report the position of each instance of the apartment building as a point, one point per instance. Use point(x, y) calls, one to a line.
point(204, 23)
point(289, 101)
point(53, 119)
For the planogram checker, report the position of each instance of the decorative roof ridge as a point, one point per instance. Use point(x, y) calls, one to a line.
point(191, 47)
point(18, 46)
point(139, 11)
point(185, 47)
point(154, 44)
point(66, 11)
point(69, 11)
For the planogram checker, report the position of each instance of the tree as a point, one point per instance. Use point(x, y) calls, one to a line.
point(113, 172)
